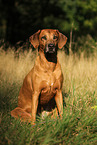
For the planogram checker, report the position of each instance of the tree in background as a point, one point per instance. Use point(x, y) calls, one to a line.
point(20, 19)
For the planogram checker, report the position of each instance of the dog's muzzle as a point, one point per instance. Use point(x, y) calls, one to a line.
point(50, 48)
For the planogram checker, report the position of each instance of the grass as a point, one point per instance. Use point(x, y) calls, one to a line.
point(79, 123)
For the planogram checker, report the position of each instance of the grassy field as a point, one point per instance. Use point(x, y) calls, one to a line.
point(79, 123)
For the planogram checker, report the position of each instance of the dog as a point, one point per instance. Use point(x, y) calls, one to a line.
point(41, 92)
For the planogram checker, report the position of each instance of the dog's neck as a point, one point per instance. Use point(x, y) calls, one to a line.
point(51, 57)
point(47, 61)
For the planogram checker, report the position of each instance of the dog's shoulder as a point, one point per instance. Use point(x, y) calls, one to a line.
point(58, 68)
point(58, 72)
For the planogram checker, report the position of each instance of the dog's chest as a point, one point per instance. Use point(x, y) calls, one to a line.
point(49, 86)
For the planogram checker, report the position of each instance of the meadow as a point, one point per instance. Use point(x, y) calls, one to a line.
point(79, 123)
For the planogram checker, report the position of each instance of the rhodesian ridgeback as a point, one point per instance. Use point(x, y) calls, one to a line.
point(42, 87)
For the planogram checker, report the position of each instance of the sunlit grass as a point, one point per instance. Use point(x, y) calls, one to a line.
point(79, 122)
point(15, 68)
point(82, 73)
point(80, 77)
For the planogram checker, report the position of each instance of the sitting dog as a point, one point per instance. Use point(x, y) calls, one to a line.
point(42, 87)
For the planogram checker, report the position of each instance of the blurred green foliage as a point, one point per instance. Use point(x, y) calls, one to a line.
point(87, 45)
point(20, 19)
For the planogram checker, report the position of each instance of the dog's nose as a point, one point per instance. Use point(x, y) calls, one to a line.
point(51, 45)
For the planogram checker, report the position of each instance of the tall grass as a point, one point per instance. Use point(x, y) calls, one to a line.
point(79, 122)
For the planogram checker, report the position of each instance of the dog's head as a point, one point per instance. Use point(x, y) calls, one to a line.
point(48, 40)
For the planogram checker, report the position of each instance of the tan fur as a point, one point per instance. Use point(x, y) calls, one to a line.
point(41, 89)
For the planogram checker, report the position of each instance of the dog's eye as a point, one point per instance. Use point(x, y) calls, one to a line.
point(43, 38)
point(55, 37)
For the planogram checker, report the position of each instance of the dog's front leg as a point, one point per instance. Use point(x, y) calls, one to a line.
point(35, 97)
point(59, 102)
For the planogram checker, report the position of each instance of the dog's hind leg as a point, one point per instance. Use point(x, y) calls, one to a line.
point(21, 113)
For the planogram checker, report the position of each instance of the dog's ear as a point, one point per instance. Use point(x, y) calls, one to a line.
point(34, 39)
point(62, 40)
